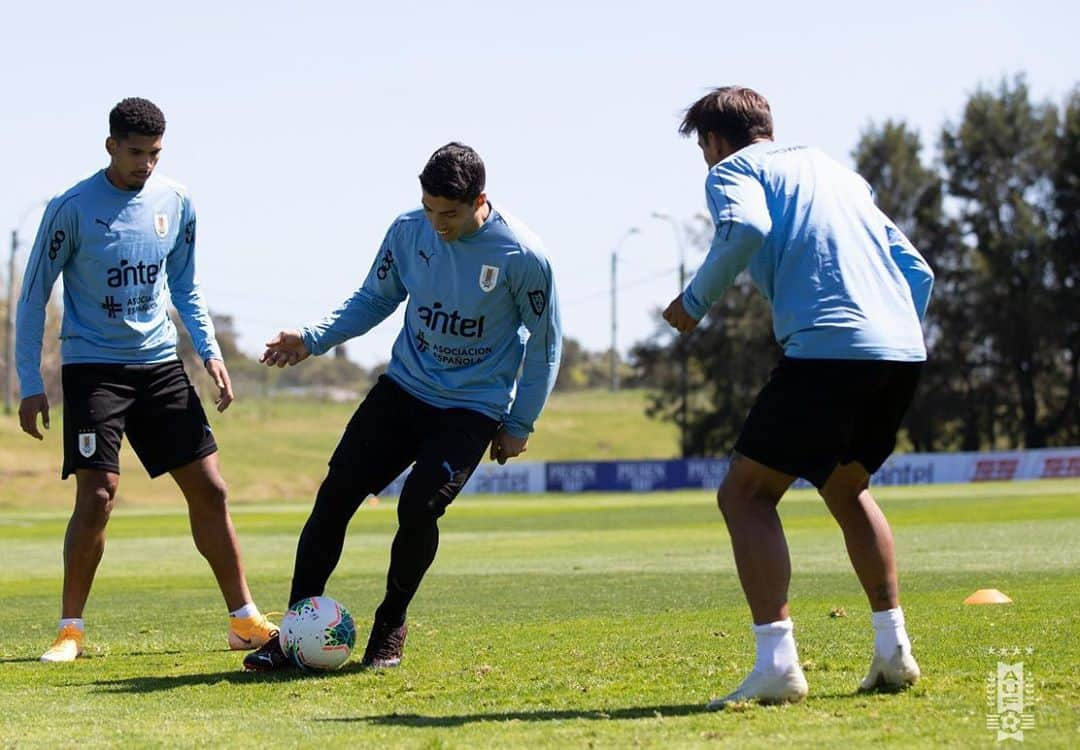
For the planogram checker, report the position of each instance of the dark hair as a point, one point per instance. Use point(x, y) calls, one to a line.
point(736, 113)
point(454, 171)
point(135, 115)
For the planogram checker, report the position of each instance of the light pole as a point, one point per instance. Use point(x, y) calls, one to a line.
point(683, 349)
point(614, 325)
point(9, 340)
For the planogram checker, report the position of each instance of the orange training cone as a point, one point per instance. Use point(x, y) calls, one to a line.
point(988, 596)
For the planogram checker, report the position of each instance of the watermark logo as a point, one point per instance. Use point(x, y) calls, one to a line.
point(1009, 696)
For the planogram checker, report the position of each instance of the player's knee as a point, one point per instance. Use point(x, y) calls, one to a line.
point(731, 495)
point(94, 500)
point(211, 496)
point(428, 491)
point(424, 498)
point(844, 486)
point(725, 501)
point(217, 494)
point(740, 494)
point(420, 511)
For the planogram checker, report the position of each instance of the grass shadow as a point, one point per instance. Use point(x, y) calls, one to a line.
point(150, 684)
point(634, 712)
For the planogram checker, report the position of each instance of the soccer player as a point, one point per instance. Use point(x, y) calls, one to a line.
point(124, 240)
point(475, 280)
point(848, 293)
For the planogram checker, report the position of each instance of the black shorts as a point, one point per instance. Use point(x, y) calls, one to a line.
point(155, 405)
point(815, 414)
point(392, 429)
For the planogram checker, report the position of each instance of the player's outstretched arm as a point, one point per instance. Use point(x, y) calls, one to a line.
point(287, 348)
point(29, 408)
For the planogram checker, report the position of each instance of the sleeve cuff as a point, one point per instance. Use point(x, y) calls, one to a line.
point(515, 428)
point(693, 306)
point(309, 341)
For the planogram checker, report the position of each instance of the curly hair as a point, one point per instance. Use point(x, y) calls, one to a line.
point(135, 115)
point(455, 171)
point(737, 113)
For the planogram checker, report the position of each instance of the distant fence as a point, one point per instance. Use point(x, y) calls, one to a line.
point(707, 473)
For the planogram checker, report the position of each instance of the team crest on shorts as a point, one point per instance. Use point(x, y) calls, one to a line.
point(488, 276)
point(87, 443)
point(161, 224)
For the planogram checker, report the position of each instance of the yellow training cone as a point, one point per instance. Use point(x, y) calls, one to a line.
point(988, 596)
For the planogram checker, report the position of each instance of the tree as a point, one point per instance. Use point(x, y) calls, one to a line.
point(581, 369)
point(1065, 266)
point(1002, 160)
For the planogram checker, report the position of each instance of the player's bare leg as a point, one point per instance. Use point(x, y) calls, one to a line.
point(748, 498)
point(84, 545)
point(215, 538)
point(872, 552)
point(84, 542)
point(867, 534)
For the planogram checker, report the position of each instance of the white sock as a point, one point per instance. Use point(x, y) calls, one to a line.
point(248, 610)
point(76, 621)
point(776, 651)
point(889, 632)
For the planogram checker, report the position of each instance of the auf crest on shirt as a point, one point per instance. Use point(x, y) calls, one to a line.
point(489, 275)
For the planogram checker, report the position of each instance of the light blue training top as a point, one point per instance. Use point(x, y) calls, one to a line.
point(480, 309)
point(843, 281)
point(119, 251)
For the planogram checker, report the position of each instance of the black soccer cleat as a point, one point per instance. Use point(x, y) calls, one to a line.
point(268, 657)
point(385, 645)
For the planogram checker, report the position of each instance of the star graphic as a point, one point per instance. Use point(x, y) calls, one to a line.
point(1029, 650)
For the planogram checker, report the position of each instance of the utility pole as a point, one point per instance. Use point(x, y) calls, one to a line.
point(614, 311)
point(681, 345)
point(9, 340)
point(614, 326)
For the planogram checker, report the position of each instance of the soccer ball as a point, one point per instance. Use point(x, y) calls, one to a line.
point(317, 633)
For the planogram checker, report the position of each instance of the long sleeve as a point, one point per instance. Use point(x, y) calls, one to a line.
point(538, 305)
point(184, 288)
point(741, 216)
point(371, 304)
point(916, 271)
point(54, 244)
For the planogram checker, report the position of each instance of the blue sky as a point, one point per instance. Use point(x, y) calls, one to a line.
point(300, 128)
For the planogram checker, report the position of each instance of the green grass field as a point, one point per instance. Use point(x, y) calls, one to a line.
point(552, 622)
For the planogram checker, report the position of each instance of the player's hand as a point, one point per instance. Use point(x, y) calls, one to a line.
point(505, 446)
point(29, 408)
point(217, 371)
point(676, 315)
point(287, 348)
